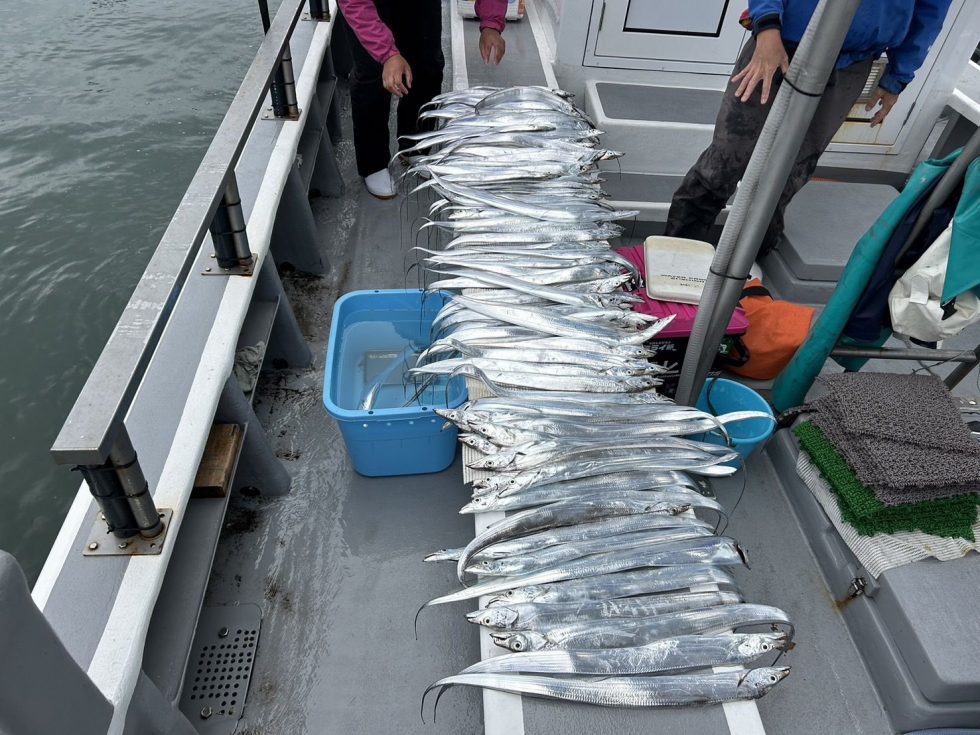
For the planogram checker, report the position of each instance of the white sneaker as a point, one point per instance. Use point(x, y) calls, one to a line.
point(381, 185)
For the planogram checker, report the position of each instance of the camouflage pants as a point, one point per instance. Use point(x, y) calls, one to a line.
point(712, 180)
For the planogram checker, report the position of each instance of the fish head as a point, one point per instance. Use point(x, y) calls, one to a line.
point(479, 503)
point(487, 566)
point(517, 482)
point(450, 414)
point(519, 594)
point(497, 617)
point(524, 641)
point(758, 682)
point(759, 644)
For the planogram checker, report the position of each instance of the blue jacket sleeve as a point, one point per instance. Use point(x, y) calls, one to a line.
point(762, 8)
point(905, 59)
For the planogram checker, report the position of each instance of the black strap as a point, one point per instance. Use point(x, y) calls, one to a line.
point(756, 291)
point(727, 275)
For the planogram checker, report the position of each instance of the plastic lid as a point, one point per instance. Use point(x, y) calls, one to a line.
point(684, 314)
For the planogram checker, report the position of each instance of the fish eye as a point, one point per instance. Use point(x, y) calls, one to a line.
point(517, 645)
point(486, 620)
point(772, 678)
point(766, 646)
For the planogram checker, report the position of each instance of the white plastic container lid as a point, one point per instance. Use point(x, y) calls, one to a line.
point(676, 268)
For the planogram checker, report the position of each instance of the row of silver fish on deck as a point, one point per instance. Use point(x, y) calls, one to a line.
point(604, 580)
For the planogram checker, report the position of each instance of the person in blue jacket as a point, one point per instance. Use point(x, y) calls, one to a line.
point(901, 29)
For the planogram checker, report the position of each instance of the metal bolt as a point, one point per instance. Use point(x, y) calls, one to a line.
point(223, 633)
point(93, 546)
point(206, 712)
point(123, 544)
point(207, 270)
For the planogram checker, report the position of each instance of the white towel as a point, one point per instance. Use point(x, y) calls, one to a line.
point(882, 551)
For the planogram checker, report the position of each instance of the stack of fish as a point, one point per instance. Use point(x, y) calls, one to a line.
point(603, 581)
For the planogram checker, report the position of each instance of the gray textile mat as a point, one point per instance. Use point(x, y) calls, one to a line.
point(901, 434)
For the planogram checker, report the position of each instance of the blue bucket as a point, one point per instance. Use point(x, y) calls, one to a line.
point(720, 396)
point(391, 438)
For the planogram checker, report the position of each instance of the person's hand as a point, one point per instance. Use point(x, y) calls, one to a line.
point(887, 100)
point(769, 55)
point(397, 75)
point(492, 46)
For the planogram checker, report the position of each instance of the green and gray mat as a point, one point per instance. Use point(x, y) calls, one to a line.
point(950, 517)
point(902, 435)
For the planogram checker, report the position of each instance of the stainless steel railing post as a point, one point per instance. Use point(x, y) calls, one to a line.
point(231, 246)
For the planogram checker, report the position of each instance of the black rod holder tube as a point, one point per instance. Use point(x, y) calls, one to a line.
point(288, 104)
point(104, 484)
point(319, 10)
point(134, 484)
point(231, 248)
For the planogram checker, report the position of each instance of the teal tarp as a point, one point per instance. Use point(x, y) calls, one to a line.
point(793, 383)
point(963, 266)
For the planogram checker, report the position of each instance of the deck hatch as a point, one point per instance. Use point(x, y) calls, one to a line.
point(219, 669)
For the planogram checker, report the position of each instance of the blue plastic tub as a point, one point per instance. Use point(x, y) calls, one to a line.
point(372, 337)
point(720, 396)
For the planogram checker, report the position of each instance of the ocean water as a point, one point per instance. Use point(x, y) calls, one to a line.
point(106, 108)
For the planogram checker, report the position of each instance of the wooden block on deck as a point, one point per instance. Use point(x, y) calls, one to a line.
point(218, 463)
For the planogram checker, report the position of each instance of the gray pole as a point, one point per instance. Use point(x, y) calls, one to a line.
point(761, 186)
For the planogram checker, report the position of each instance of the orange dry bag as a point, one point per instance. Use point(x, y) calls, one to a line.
point(776, 331)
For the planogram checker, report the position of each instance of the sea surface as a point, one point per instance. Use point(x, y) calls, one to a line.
point(106, 108)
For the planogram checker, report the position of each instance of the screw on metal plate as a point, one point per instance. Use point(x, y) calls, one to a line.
point(235, 270)
point(206, 713)
point(102, 542)
point(223, 633)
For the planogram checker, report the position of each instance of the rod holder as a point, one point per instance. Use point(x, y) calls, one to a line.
point(319, 10)
point(285, 105)
point(137, 489)
point(106, 488)
point(228, 232)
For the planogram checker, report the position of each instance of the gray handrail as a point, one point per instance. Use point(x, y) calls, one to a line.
point(94, 421)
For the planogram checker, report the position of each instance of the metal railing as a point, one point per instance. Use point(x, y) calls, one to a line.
point(94, 437)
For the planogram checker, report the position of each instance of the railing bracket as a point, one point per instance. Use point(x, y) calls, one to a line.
point(235, 270)
point(269, 114)
point(102, 542)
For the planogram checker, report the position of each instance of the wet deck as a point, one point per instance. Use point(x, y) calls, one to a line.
point(336, 565)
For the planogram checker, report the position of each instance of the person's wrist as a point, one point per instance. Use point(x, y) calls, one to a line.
point(769, 37)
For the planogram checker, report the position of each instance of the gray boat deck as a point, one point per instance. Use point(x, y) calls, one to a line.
point(337, 564)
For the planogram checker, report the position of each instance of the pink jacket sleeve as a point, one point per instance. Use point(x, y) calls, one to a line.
point(492, 14)
point(376, 38)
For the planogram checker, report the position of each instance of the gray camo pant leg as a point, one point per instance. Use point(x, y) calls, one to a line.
point(712, 180)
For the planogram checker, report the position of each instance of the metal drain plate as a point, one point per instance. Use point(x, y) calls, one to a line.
point(220, 667)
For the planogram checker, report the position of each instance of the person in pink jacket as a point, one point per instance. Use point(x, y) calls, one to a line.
point(397, 50)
